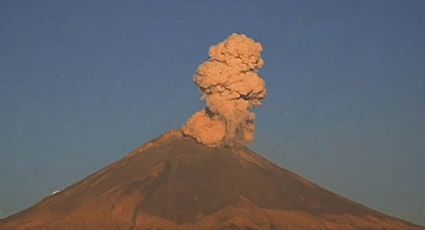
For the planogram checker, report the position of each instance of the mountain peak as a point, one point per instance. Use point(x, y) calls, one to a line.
point(173, 182)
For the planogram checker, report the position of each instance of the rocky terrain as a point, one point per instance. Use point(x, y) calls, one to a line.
point(175, 183)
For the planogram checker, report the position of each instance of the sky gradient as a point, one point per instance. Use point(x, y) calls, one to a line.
point(84, 83)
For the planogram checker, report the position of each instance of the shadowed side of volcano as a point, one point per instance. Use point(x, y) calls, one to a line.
point(175, 183)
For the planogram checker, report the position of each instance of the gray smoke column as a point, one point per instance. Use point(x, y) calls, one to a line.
point(231, 88)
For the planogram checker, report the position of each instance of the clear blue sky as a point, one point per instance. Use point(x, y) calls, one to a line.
point(82, 83)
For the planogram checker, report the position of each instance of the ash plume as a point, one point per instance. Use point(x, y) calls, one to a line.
point(231, 88)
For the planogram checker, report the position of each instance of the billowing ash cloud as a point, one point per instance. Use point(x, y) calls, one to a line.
point(231, 88)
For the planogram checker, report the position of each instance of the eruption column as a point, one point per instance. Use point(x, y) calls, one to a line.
point(231, 88)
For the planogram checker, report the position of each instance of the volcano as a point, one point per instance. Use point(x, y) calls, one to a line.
point(175, 183)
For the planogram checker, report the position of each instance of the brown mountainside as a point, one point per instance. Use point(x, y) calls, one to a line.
point(175, 183)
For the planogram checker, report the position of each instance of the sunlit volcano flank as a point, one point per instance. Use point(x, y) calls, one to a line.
point(197, 178)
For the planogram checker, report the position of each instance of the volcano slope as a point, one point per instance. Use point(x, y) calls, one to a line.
point(175, 183)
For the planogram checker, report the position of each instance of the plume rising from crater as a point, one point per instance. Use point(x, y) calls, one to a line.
point(231, 88)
